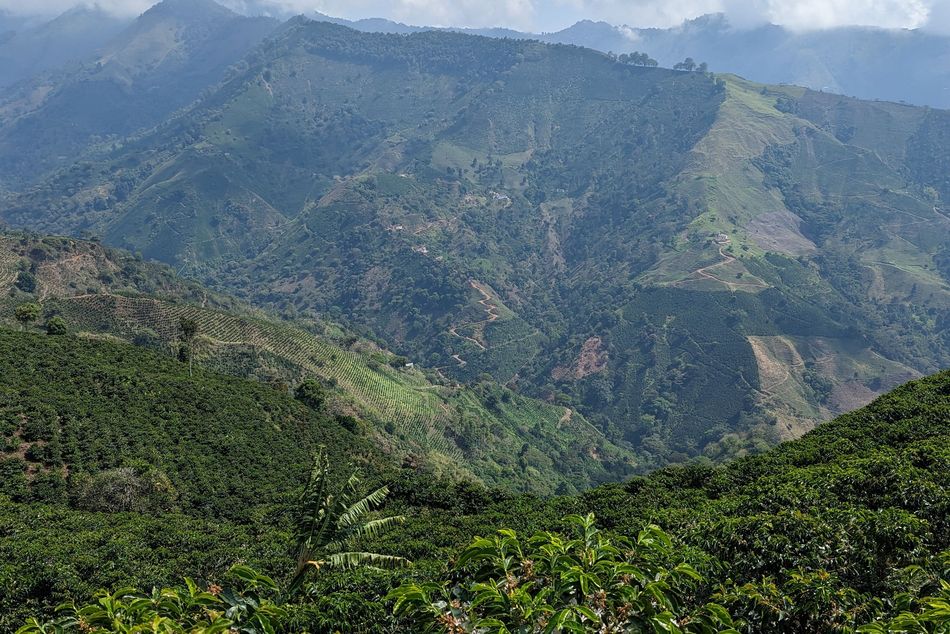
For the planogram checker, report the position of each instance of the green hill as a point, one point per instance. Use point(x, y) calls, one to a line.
point(700, 265)
point(134, 77)
point(839, 528)
point(484, 431)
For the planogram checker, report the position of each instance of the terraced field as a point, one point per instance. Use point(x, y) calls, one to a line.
point(402, 397)
point(516, 441)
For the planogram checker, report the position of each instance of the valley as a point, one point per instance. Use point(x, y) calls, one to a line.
point(747, 199)
point(319, 326)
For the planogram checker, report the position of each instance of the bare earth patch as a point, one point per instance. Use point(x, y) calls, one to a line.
point(591, 360)
point(780, 231)
point(851, 395)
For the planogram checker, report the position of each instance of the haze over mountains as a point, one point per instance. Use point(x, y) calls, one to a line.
point(909, 64)
point(866, 62)
point(697, 263)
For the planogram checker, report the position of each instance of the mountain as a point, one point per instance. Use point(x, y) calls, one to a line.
point(68, 38)
point(870, 63)
point(483, 432)
point(699, 264)
point(158, 64)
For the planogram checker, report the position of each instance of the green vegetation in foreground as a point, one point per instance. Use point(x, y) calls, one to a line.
point(841, 528)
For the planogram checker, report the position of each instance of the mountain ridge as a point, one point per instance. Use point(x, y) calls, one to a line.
point(752, 259)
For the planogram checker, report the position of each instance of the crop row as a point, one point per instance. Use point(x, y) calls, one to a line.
point(384, 394)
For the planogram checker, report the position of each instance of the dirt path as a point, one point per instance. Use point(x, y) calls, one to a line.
point(941, 214)
point(726, 259)
point(774, 368)
point(453, 330)
point(490, 309)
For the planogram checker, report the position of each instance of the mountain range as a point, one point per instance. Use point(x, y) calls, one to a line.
point(699, 264)
point(910, 65)
point(285, 306)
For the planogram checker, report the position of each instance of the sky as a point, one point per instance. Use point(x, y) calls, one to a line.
point(551, 15)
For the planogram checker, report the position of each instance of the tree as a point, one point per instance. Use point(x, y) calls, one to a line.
point(703, 68)
point(26, 281)
point(687, 64)
point(136, 486)
point(27, 313)
point(56, 326)
point(330, 524)
point(552, 583)
point(188, 328)
point(311, 393)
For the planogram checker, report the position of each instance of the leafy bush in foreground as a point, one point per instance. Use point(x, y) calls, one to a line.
point(552, 583)
point(245, 608)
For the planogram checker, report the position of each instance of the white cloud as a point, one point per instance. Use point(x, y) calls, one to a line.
point(537, 15)
point(939, 19)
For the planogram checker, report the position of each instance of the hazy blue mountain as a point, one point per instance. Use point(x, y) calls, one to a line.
point(870, 63)
point(26, 50)
point(158, 64)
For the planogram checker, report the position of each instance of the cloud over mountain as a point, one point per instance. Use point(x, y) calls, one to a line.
point(539, 15)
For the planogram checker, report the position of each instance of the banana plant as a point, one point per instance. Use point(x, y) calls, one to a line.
point(331, 523)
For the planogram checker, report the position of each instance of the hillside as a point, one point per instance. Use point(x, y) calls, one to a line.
point(135, 79)
point(699, 264)
point(68, 38)
point(484, 432)
point(765, 531)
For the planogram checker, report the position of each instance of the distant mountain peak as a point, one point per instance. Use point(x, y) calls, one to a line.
point(190, 9)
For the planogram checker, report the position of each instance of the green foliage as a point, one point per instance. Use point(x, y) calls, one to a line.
point(932, 615)
point(26, 281)
point(585, 582)
point(28, 312)
point(131, 427)
point(331, 522)
point(312, 393)
point(56, 325)
point(245, 608)
point(828, 533)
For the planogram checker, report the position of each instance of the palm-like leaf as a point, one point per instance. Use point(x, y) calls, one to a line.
point(350, 560)
point(330, 523)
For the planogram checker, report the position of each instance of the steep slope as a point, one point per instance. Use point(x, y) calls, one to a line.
point(485, 432)
point(74, 407)
point(699, 264)
point(158, 64)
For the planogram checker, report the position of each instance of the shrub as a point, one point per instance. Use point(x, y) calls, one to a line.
point(552, 583)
